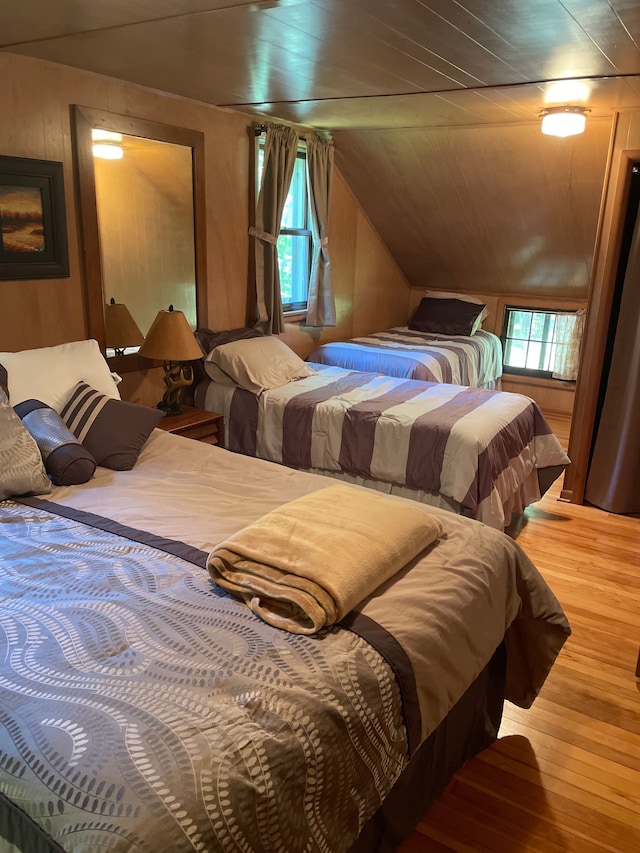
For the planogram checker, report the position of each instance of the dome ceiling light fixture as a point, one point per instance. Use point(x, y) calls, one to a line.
point(107, 144)
point(563, 120)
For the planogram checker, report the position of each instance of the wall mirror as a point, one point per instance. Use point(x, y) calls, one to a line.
point(142, 210)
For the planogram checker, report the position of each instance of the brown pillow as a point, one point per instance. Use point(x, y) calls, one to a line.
point(445, 316)
point(209, 340)
point(113, 431)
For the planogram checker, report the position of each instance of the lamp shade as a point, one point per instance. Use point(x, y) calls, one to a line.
point(170, 338)
point(121, 329)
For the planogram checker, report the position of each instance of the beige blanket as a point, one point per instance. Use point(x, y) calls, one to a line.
point(308, 563)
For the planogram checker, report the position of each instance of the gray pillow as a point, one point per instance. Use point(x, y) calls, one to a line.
point(113, 431)
point(4, 380)
point(68, 463)
point(21, 467)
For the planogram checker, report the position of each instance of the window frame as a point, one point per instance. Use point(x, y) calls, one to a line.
point(527, 371)
point(300, 307)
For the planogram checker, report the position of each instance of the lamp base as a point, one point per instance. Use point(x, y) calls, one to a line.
point(177, 377)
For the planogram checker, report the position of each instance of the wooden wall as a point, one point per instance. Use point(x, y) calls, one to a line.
point(35, 99)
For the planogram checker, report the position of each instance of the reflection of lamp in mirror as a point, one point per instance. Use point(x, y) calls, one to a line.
point(107, 144)
point(171, 340)
point(121, 330)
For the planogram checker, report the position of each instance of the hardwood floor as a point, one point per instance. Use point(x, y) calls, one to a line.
point(563, 775)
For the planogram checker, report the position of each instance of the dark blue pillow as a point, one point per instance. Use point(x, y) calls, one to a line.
point(66, 461)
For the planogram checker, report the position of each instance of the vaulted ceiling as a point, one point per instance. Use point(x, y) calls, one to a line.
point(388, 78)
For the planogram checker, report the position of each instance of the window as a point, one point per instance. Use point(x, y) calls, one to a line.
point(529, 340)
point(294, 242)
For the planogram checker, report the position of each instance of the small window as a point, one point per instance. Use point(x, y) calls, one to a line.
point(294, 242)
point(529, 341)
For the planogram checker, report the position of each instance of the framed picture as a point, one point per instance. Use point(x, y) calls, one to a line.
point(33, 234)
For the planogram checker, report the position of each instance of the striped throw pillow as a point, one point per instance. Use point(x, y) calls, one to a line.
point(113, 431)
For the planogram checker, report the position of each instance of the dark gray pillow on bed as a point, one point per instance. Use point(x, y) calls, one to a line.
point(66, 461)
point(445, 316)
point(4, 380)
point(209, 340)
point(113, 431)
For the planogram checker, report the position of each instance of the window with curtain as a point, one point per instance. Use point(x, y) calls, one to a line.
point(294, 242)
point(542, 342)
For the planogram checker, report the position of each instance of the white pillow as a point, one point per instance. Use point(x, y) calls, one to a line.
point(258, 364)
point(49, 374)
point(446, 294)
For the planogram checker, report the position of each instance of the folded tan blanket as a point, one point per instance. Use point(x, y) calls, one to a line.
point(308, 563)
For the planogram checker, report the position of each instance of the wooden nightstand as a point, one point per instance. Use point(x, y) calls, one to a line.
point(196, 423)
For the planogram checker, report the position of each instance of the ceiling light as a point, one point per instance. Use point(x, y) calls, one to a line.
point(106, 144)
point(563, 121)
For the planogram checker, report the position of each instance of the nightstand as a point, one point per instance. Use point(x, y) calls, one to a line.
point(196, 423)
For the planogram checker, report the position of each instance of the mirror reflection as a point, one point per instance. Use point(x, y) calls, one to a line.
point(144, 199)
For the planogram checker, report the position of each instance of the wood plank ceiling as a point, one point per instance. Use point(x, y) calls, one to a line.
point(383, 76)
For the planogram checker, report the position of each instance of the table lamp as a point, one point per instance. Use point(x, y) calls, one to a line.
point(171, 340)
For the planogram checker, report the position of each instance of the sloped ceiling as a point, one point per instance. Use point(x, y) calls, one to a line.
point(432, 105)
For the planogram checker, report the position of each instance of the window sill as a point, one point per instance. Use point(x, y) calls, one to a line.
point(295, 317)
point(540, 381)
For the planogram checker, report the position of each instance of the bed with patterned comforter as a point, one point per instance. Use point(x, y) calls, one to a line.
point(474, 360)
point(142, 709)
point(485, 454)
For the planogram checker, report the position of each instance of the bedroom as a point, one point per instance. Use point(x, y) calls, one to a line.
point(375, 287)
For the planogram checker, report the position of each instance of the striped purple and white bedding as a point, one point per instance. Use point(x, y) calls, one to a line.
point(482, 453)
point(401, 352)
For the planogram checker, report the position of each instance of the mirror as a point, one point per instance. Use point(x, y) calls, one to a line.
point(142, 220)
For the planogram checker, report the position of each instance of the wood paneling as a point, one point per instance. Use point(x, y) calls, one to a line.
point(564, 775)
point(497, 209)
point(35, 102)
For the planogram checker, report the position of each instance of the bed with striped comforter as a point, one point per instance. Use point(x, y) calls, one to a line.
point(484, 454)
point(401, 352)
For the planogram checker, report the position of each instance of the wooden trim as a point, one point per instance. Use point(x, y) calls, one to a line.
point(84, 119)
point(597, 325)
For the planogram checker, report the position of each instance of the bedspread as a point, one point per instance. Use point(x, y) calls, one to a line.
point(476, 447)
point(406, 354)
point(143, 709)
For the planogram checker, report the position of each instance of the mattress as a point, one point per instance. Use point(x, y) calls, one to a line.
point(474, 360)
point(142, 708)
point(484, 454)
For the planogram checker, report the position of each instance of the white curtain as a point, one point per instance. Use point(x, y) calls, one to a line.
point(569, 329)
point(280, 149)
point(321, 308)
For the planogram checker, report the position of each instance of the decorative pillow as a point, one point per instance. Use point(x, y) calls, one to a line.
point(49, 374)
point(209, 340)
point(446, 294)
point(21, 467)
point(445, 316)
point(113, 431)
point(67, 462)
point(260, 363)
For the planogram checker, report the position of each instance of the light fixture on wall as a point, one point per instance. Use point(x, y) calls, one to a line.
point(106, 144)
point(171, 340)
point(121, 330)
point(563, 120)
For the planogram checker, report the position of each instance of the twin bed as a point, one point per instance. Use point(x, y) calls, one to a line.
point(474, 360)
point(145, 708)
point(443, 342)
point(484, 454)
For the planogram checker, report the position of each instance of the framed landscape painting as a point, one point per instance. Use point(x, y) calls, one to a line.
point(33, 234)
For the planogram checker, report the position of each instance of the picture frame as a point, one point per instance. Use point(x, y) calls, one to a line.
point(33, 222)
